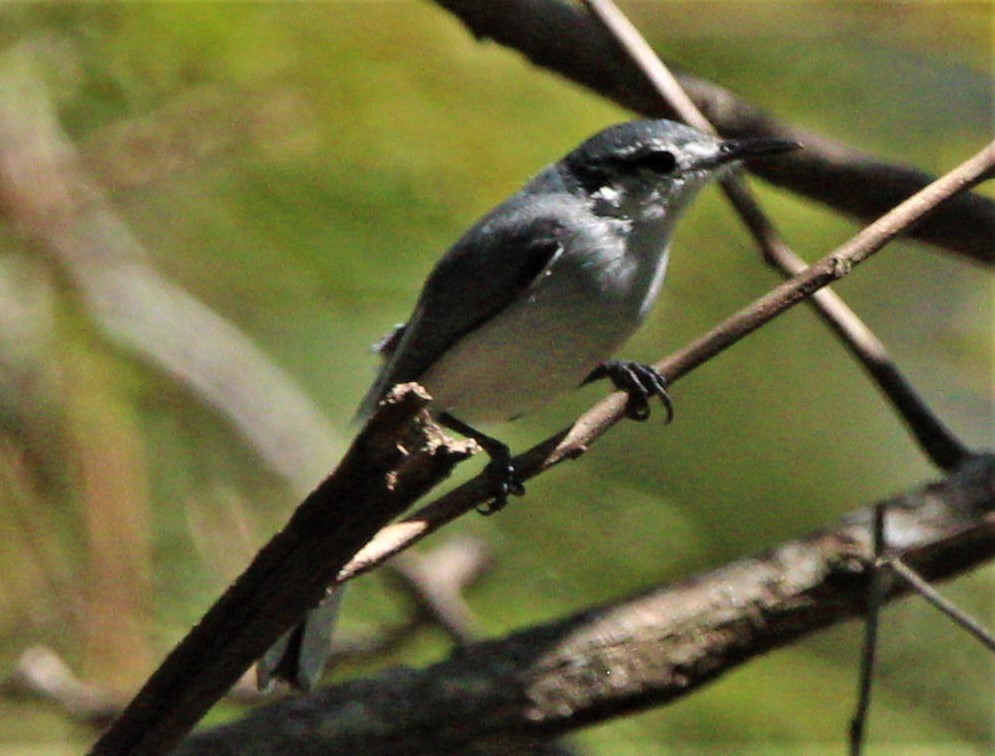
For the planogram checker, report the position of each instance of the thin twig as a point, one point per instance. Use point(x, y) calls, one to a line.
point(917, 583)
point(574, 441)
point(877, 590)
point(396, 458)
point(436, 581)
point(850, 181)
point(631, 655)
point(936, 439)
point(877, 594)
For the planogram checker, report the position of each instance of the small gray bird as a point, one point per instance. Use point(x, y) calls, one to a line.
point(534, 299)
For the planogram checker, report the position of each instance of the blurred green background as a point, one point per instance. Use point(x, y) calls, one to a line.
point(298, 168)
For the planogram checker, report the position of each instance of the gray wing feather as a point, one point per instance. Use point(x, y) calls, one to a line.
point(486, 270)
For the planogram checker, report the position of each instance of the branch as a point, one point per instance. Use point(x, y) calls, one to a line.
point(396, 458)
point(253, 613)
point(40, 672)
point(274, 592)
point(877, 594)
point(436, 582)
point(626, 657)
point(572, 442)
point(563, 38)
point(934, 437)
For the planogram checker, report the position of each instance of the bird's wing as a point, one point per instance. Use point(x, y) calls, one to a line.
point(487, 269)
point(386, 345)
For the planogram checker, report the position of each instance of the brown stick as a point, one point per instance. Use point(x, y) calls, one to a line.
point(632, 655)
point(850, 181)
point(398, 457)
point(574, 441)
point(939, 443)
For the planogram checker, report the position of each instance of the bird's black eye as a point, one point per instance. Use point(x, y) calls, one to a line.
point(660, 161)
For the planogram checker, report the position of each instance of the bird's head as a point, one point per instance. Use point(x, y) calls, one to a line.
point(653, 168)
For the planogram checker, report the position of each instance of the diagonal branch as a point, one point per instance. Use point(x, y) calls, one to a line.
point(291, 572)
point(934, 437)
point(851, 182)
point(572, 442)
point(396, 458)
point(199, 670)
point(504, 695)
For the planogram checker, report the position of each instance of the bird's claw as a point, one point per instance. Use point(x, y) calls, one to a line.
point(501, 470)
point(641, 382)
point(506, 481)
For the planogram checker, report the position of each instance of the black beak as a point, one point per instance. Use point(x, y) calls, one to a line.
point(741, 149)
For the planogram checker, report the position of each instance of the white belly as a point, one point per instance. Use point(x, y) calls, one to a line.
point(546, 343)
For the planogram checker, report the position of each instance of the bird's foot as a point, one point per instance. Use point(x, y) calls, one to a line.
point(506, 480)
point(501, 470)
point(641, 382)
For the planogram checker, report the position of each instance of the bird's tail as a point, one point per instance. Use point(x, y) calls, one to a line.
point(300, 656)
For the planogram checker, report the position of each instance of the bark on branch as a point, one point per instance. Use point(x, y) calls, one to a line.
point(396, 458)
point(505, 695)
point(565, 39)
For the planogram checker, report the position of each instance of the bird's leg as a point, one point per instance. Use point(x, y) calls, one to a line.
point(640, 382)
point(500, 468)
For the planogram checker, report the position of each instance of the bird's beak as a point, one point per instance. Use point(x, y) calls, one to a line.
point(741, 149)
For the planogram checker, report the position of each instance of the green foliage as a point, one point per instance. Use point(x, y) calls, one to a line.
point(304, 166)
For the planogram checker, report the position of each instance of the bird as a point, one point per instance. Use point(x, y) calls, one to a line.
point(537, 296)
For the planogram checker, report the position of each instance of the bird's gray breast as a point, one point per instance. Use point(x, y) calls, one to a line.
point(574, 315)
point(621, 263)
